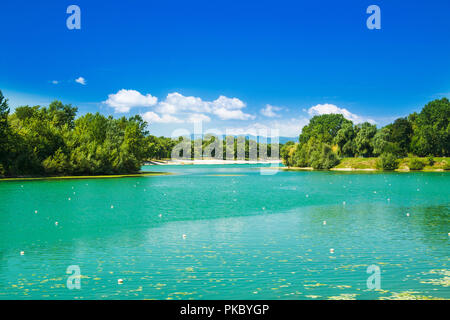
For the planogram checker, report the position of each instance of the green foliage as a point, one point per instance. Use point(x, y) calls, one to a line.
point(447, 165)
point(325, 159)
point(400, 135)
point(430, 160)
point(4, 111)
point(387, 161)
point(364, 139)
point(286, 153)
point(323, 128)
point(345, 140)
point(50, 141)
point(426, 133)
point(416, 164)
point(432, 129)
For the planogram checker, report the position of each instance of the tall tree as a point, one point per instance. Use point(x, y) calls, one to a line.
point(4, 111)
point(432, 129)
point(364, 139)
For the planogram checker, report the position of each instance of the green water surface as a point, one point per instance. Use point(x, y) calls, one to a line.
point(247, 235)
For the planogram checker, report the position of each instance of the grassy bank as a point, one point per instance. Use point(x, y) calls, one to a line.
point(111, 176)
point(370, 164)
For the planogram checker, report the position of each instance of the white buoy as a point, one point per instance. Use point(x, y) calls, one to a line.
point(343, 203)
point(69, 199)
point(307, 195)
point(324, 222)
point(331, 250)
point(56, 223)
point(160, 215)
point(264, 208)
point(389, 199)
point(112, 207)
point(184, 236)
point(35, 211)
point(22, 253)
point(407, 214)
point(120, 281)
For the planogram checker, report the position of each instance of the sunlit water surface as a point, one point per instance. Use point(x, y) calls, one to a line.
point(247, 235)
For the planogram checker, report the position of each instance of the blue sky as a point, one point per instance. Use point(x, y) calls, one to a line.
point(239, 65)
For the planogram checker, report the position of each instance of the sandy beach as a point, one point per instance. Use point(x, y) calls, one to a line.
point(209, 161)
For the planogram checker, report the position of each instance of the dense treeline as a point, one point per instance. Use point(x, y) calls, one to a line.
point(52, 141)
point(226, 148)
point(329, 137)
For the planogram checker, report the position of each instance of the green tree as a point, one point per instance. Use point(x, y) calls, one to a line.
point(364, 139)
point(324, 128)
point(345, 140)
point(432, 129)
point(387, 161)
point(4, 132)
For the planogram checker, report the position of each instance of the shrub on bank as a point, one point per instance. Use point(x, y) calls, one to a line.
point(447, 165)
point(416, 164)
point(387, 161)
point(431, 160)
point(326, 159)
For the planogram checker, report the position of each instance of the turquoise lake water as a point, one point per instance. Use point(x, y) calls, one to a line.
point(247, 235)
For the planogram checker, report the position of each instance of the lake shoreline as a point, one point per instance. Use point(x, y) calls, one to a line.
point(360, 170)
point(107, 176)
point(208, 162)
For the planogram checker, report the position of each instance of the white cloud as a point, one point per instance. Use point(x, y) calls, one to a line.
point(198, 117)
point(177, 108)
point(176, 102)
point(230, 109)
point(333, 109)
point(81, 80)
point(269, 111)
point(223, 107)
point(152, 117)
point(124, 100)
point(226, 114)
point(283, 128)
